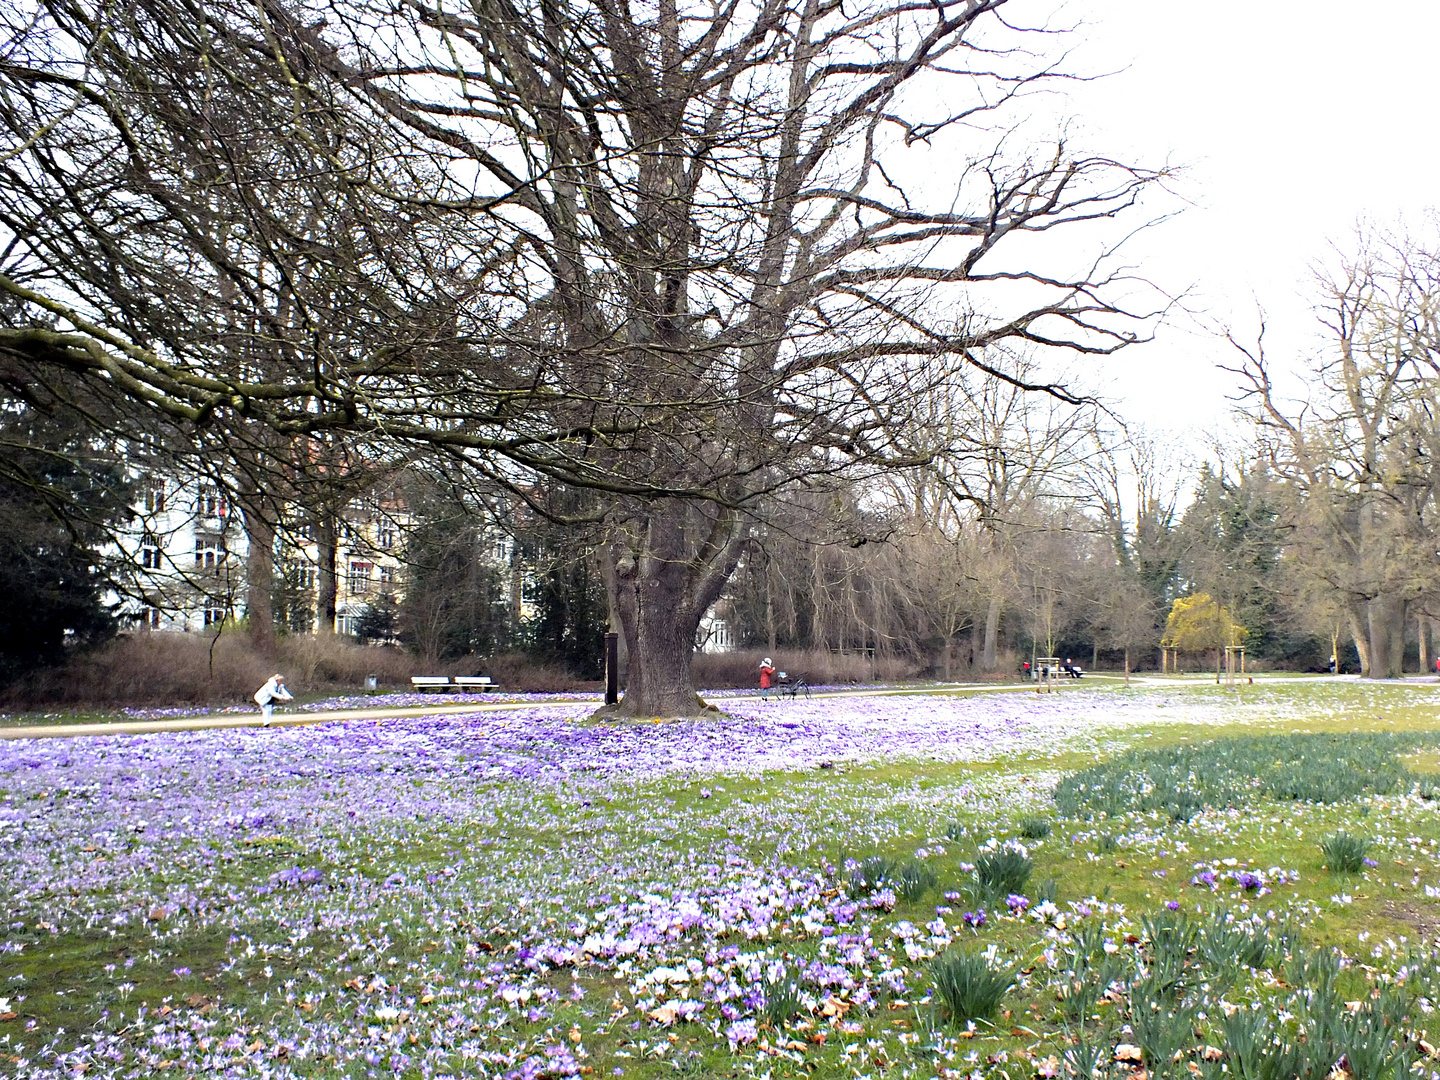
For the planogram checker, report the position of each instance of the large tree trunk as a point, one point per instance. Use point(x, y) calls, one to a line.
point(259, 572)
point(669, 568)
point(992, 631)
point(1354, 615)
point(1385, 622)
point(326, 581)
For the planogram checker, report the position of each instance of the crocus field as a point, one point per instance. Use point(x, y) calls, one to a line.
point(772, 892)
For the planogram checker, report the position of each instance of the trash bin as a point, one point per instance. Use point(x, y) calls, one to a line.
point(372, 682)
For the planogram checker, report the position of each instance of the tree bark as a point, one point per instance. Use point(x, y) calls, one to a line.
point(327, 583)
point(259, 572)
point(1359, 633)
point(992, 630)
point(670, 567)
point(1385, 622)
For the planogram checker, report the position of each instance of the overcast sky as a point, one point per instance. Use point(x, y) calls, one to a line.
point(1294, 121)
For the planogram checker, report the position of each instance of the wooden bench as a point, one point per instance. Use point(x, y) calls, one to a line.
point(476, 682)
point(431, 682)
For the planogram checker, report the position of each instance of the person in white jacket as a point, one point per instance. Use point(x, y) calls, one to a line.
point(271, 692)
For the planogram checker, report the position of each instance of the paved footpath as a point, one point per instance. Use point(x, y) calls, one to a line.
point(237, 720)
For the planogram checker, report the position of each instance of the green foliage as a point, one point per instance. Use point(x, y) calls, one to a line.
point(1345, 854)
point(60, 498)
point(968, 987)
point(1164, 1027)
point(1034, 827)
point(566, 592)
point(1182, 780)
point(913, 879)
point(782, 999)
point(1224, 944)
point(377, 622)
point(1001, 872)
point(1200, 622)
point(456, 600)
point(870, 875)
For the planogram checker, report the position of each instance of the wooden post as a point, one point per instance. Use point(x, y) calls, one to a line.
point(612, 668)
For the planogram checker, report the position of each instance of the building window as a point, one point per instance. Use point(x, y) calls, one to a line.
point(214, 616)
point(208, 552)
point(385, 534)
point(208, 502)
point(150, 551)
point(387, 577)
point(302, 578)
point(155, 497)
point(359, 578)
point(530, 589)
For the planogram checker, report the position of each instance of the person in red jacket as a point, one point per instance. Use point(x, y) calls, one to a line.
point(767, 672)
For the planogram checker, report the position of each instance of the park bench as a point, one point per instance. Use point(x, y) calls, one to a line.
point(476, 682)
point(430, 682)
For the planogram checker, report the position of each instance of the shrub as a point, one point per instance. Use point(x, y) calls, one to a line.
point(820, 667)
point(1345, 854)
point(968, 987)
point(167, 668)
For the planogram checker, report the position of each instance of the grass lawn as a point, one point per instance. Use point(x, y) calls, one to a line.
point(870, 886)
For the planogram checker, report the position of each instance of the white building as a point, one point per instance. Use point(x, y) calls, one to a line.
point(187, 551)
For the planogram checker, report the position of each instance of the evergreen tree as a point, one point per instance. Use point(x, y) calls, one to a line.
point(60, 497)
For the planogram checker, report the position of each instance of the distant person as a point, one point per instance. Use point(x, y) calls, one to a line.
point(1333, 665)
point(767, 673)
point(1025, 671)
point(271, 692)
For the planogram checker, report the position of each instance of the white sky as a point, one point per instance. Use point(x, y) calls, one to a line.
point(1294, 121)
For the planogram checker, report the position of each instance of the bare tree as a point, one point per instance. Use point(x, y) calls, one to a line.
point(1358, 455)
point(684, 255)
